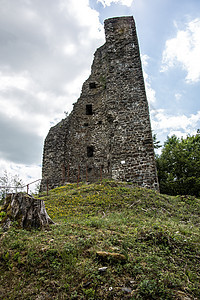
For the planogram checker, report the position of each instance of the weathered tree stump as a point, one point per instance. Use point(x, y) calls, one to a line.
point(25, 212)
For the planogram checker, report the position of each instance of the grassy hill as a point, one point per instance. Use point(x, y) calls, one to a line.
point(110, 241)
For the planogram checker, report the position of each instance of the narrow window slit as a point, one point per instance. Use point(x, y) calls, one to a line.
point(89, 170)
point(89, 109)
point(92, 85)
point(90, 151)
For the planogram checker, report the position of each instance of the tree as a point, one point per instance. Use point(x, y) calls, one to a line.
point(4, 183)
point(9, 183)
point(179, 166)
point(156, 143)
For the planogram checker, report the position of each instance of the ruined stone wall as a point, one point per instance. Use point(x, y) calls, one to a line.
point(108, 133)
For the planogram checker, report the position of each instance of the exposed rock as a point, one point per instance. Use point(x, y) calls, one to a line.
point(86, 284)
point(103, 255)
point(183, 296)
point(25, 212)
point(108, 133)
point(126, 290)
point(103, 269)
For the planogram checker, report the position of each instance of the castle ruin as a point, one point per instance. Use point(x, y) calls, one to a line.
point(108, 133)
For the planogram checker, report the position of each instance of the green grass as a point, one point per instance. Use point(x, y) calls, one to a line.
point(157, 234)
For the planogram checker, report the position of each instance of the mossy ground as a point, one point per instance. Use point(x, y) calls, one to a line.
point(158, 235)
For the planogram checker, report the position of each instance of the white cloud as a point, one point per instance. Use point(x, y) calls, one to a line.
point(172, 124)
point(10, 81)
point(184, 49)
point(23, 101)
point(70, 49)
point(28, 173)
point(43, 46)
point(109, 2)
point(151, 94)
point(71, 88)
point(178, 133)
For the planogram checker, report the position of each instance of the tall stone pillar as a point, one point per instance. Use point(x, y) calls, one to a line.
point(108, 133)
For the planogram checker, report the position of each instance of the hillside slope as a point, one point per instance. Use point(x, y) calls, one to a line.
point(110, 241)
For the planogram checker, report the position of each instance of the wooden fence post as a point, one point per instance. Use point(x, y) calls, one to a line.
point(63, 174)
point(68, 173)
point(47, 187)
point(78, 176)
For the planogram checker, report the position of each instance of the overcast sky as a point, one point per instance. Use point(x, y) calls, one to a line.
point(46, 51)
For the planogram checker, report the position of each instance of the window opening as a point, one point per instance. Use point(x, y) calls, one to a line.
point(108, 167)
point(89, 109)
point(90, 151)
point(92, 85)
point(89, 170)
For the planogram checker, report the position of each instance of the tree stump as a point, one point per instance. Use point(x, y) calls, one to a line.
point(25, 212)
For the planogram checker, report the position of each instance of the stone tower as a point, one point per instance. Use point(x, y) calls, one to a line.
point(108, 133)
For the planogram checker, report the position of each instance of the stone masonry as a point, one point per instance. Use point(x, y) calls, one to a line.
point(108, 133)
